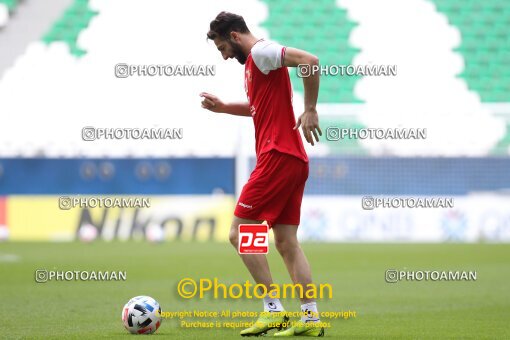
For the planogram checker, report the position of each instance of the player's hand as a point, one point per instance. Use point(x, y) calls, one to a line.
point(212, 103)
point(309, 122)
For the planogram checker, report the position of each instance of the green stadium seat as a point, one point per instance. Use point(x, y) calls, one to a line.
point(324, 28)
point(11, 4)
point(485, 44)
point(321, 27)
point(70, 25)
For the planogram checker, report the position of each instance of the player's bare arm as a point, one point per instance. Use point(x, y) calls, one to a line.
point(214, 104)
point(309, 119)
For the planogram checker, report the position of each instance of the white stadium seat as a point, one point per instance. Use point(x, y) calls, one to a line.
point(4, 15)
point(413, 34)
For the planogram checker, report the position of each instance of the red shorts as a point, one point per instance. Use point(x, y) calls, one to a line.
point(275, 189)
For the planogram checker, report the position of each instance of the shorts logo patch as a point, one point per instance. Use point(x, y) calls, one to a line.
point(253, 239)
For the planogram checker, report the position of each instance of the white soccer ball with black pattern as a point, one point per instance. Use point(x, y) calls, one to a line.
point(141, 315)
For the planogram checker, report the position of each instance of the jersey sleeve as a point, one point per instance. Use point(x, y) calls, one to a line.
point(268, 57)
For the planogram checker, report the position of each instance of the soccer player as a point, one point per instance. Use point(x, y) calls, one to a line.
point(275, 188)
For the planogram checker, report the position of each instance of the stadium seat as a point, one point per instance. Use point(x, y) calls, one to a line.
point(459, 45)
point(4, 15)
point(7, 7)
point(11, 4)
point(67, 29)
point(503, 147)
point(484, 27)
point(322, 28)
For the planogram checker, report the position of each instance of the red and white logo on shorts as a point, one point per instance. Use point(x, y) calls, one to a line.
point(253, 239)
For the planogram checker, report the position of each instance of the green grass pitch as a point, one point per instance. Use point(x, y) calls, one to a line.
point(407, 310)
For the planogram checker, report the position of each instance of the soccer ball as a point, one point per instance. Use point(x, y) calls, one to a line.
point(141, 315)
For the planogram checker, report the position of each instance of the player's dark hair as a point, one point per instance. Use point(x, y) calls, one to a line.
point(224, 23)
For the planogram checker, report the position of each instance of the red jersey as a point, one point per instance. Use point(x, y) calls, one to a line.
point(269, 91)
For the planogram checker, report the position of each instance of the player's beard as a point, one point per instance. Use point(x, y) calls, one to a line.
point(238, 53)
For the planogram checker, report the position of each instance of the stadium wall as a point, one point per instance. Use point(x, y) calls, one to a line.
point(193, 199)
point(190, 199)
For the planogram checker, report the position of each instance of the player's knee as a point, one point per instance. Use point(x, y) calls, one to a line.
point(233, 236)
point(284, 246)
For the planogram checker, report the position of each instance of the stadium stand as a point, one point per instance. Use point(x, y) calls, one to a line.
point(67, 29)
point(485, 45)
point(4, 15)
point(77, 53)
point(6, 6)
point(348, 146)
point(323, 29)
point(503, 147)
point(10, 4)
